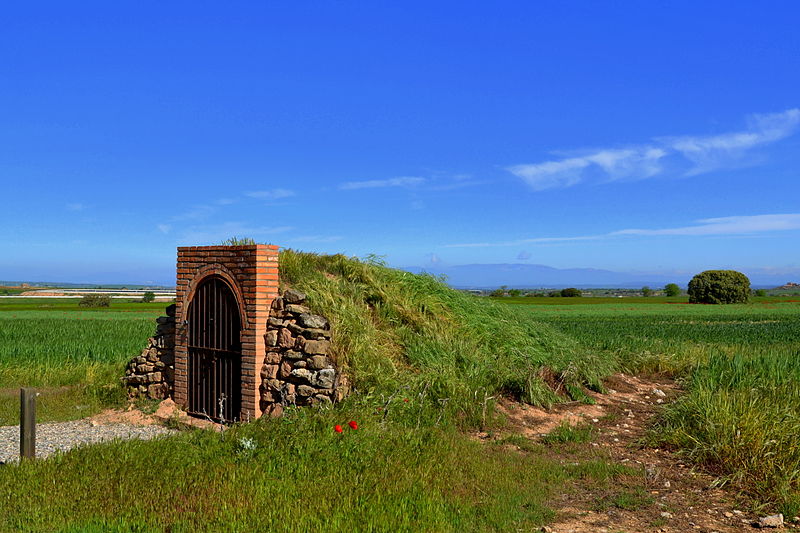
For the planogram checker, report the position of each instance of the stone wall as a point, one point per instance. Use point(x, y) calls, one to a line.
point(152, 374)
point(298, 369)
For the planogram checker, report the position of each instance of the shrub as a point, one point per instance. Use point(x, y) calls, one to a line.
point(647, 291)
point(719, 287)
point(514, 292)
point(672, 289)
point(760, 292)
point(95, 300)
point(148, 297)
point(570, 292)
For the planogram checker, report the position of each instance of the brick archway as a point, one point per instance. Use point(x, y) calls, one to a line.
point(252, 273)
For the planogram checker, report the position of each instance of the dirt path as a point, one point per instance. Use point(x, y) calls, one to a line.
point(666, 496)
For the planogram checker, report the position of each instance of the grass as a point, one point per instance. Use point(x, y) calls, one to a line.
point(740, 365)
point(294, 474)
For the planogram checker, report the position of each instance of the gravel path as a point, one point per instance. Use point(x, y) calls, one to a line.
point(61, 436)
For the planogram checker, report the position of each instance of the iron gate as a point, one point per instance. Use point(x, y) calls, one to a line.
point(215, 352)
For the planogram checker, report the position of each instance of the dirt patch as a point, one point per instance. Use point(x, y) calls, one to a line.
point(666, 495)
point(167, 412)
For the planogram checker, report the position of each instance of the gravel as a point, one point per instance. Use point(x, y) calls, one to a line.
point(62, 436)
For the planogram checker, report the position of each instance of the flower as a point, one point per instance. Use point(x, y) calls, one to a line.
point(337, 428)
point(405, 400)
point(353, 424)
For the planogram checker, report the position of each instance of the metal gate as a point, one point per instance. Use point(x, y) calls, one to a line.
point(215, 352)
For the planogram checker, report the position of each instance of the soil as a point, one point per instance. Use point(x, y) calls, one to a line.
point(166, 412)
point(671, 496)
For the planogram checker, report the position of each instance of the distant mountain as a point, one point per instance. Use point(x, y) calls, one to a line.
point(525, 276)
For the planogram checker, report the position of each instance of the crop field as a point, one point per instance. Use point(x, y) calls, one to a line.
point(73, 355)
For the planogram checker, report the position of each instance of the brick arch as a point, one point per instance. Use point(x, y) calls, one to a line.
point(221, 271)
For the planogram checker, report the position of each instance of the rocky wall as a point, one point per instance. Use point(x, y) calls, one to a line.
point(152, 374)
point(298, 369)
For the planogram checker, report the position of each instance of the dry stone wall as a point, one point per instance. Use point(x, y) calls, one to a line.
point(152, 374)
point(298, 369)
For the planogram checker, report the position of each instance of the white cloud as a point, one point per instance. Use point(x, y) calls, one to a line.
point(164, 228)
point(701, 153)
point(734, 225)
point(271, 194)
point(737, 225)
point(76, 207)
point(405, 181)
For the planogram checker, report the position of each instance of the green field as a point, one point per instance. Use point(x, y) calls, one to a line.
point(73, 355)
point(427, 362)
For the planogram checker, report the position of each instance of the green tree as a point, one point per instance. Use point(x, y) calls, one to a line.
point(95, 300)
point(647, 291)
point(571, 292)
point(514, 292)
point(719, 287)
point(148, 297)
point(672, 289)
point(760, 292)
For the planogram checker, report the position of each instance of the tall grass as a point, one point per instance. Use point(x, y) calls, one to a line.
point(740, 418)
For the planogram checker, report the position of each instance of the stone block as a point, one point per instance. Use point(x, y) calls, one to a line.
point(285, 370)
point(300, 364)
point(271, 338)
point(318, 362)
point(313, 321)
point(275, 322)
point(296, 309)
point(305, 390)
point(302, 373)
point(272, 358)
point(292, 296)
point(285, 339)
point(316, 347)
point(324, 378)
point(292, 355)
point(269, 372)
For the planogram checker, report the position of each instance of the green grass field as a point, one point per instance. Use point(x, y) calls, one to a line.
point(73, 355)
point(406, 337)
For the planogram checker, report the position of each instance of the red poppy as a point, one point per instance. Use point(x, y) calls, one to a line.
point(353, 424)
point(337, 428)
point(405, 400)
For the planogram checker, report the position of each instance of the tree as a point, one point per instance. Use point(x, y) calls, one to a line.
point(95, 300)
point(672, 289)
point(148, 297)
point(647, 291)
point(719, 287)
point(497, 293)
point(760, 292)
point(571, 292)
point(514, 292)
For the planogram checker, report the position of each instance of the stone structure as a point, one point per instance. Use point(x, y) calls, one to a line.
point(285, 347)
point(298, 369)
point(152, 373)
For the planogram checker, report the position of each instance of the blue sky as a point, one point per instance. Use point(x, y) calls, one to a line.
point(644, 137)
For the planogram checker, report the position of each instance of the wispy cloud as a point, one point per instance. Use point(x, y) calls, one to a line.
point(271, 194)
point(75, 207)
point(164, 228)
point(405, 181)
point(701, 153)
point(734, 225)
